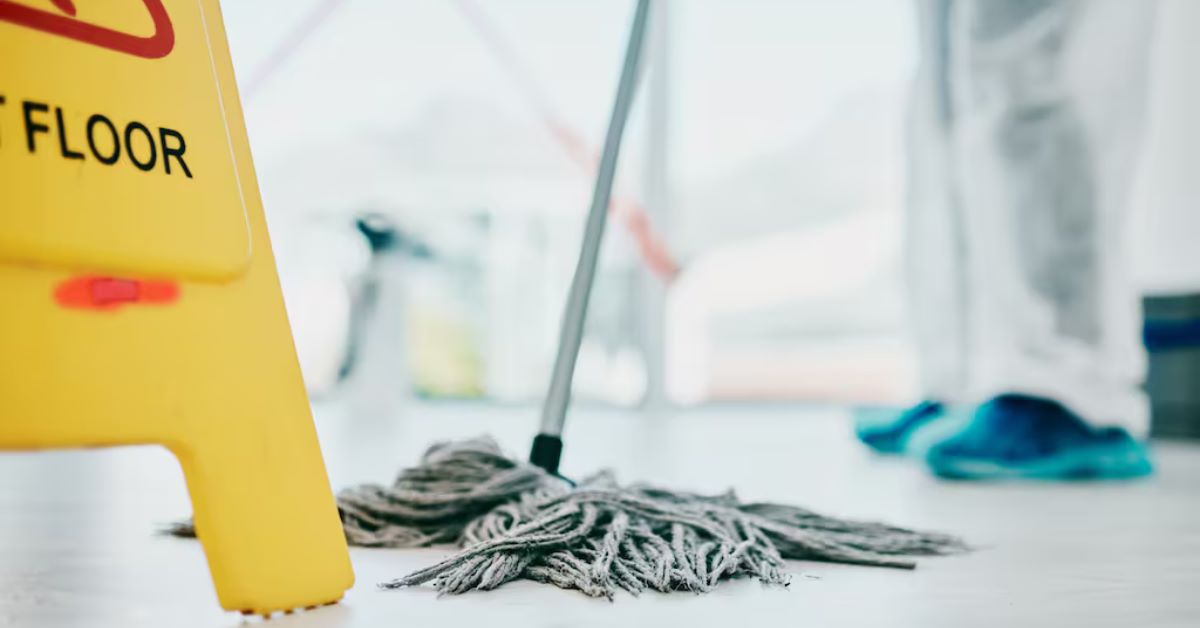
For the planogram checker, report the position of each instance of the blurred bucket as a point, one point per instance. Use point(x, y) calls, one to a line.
point(1172, 337)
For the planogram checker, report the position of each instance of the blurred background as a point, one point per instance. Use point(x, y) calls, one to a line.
point(425, 168)
point(426, 165)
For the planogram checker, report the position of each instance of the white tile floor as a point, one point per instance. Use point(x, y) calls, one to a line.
point(77, 546)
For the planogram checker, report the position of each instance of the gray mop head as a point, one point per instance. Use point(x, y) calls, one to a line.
point(513, 520)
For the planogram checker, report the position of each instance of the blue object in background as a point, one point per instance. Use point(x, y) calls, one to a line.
point(1172, 337)
point(888, 430)
point(1019, 436)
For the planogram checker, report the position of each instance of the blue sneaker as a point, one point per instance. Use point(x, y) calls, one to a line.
point(889, 433)
point(1017, 436)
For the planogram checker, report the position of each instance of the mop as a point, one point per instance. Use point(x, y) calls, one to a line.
point(516, 520)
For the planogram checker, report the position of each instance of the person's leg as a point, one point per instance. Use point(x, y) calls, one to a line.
point(934, 224)
point(1049, 98)
point(933, 243)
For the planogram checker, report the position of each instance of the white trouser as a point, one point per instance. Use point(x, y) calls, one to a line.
point(1025, 123)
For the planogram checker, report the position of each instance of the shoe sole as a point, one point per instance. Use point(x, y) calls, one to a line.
point(1092, 463)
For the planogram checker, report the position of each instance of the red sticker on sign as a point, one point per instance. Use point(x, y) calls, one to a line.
point(91, 292)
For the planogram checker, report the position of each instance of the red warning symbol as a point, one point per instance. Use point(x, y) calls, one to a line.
point(64, 24)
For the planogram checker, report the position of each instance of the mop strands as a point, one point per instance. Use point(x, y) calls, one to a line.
point(515, 521)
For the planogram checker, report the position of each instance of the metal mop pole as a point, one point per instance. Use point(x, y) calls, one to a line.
point(547, 445)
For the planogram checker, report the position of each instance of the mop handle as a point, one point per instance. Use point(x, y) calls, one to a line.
point(547, 446)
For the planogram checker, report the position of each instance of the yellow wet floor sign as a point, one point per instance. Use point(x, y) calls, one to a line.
point(139, 297)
